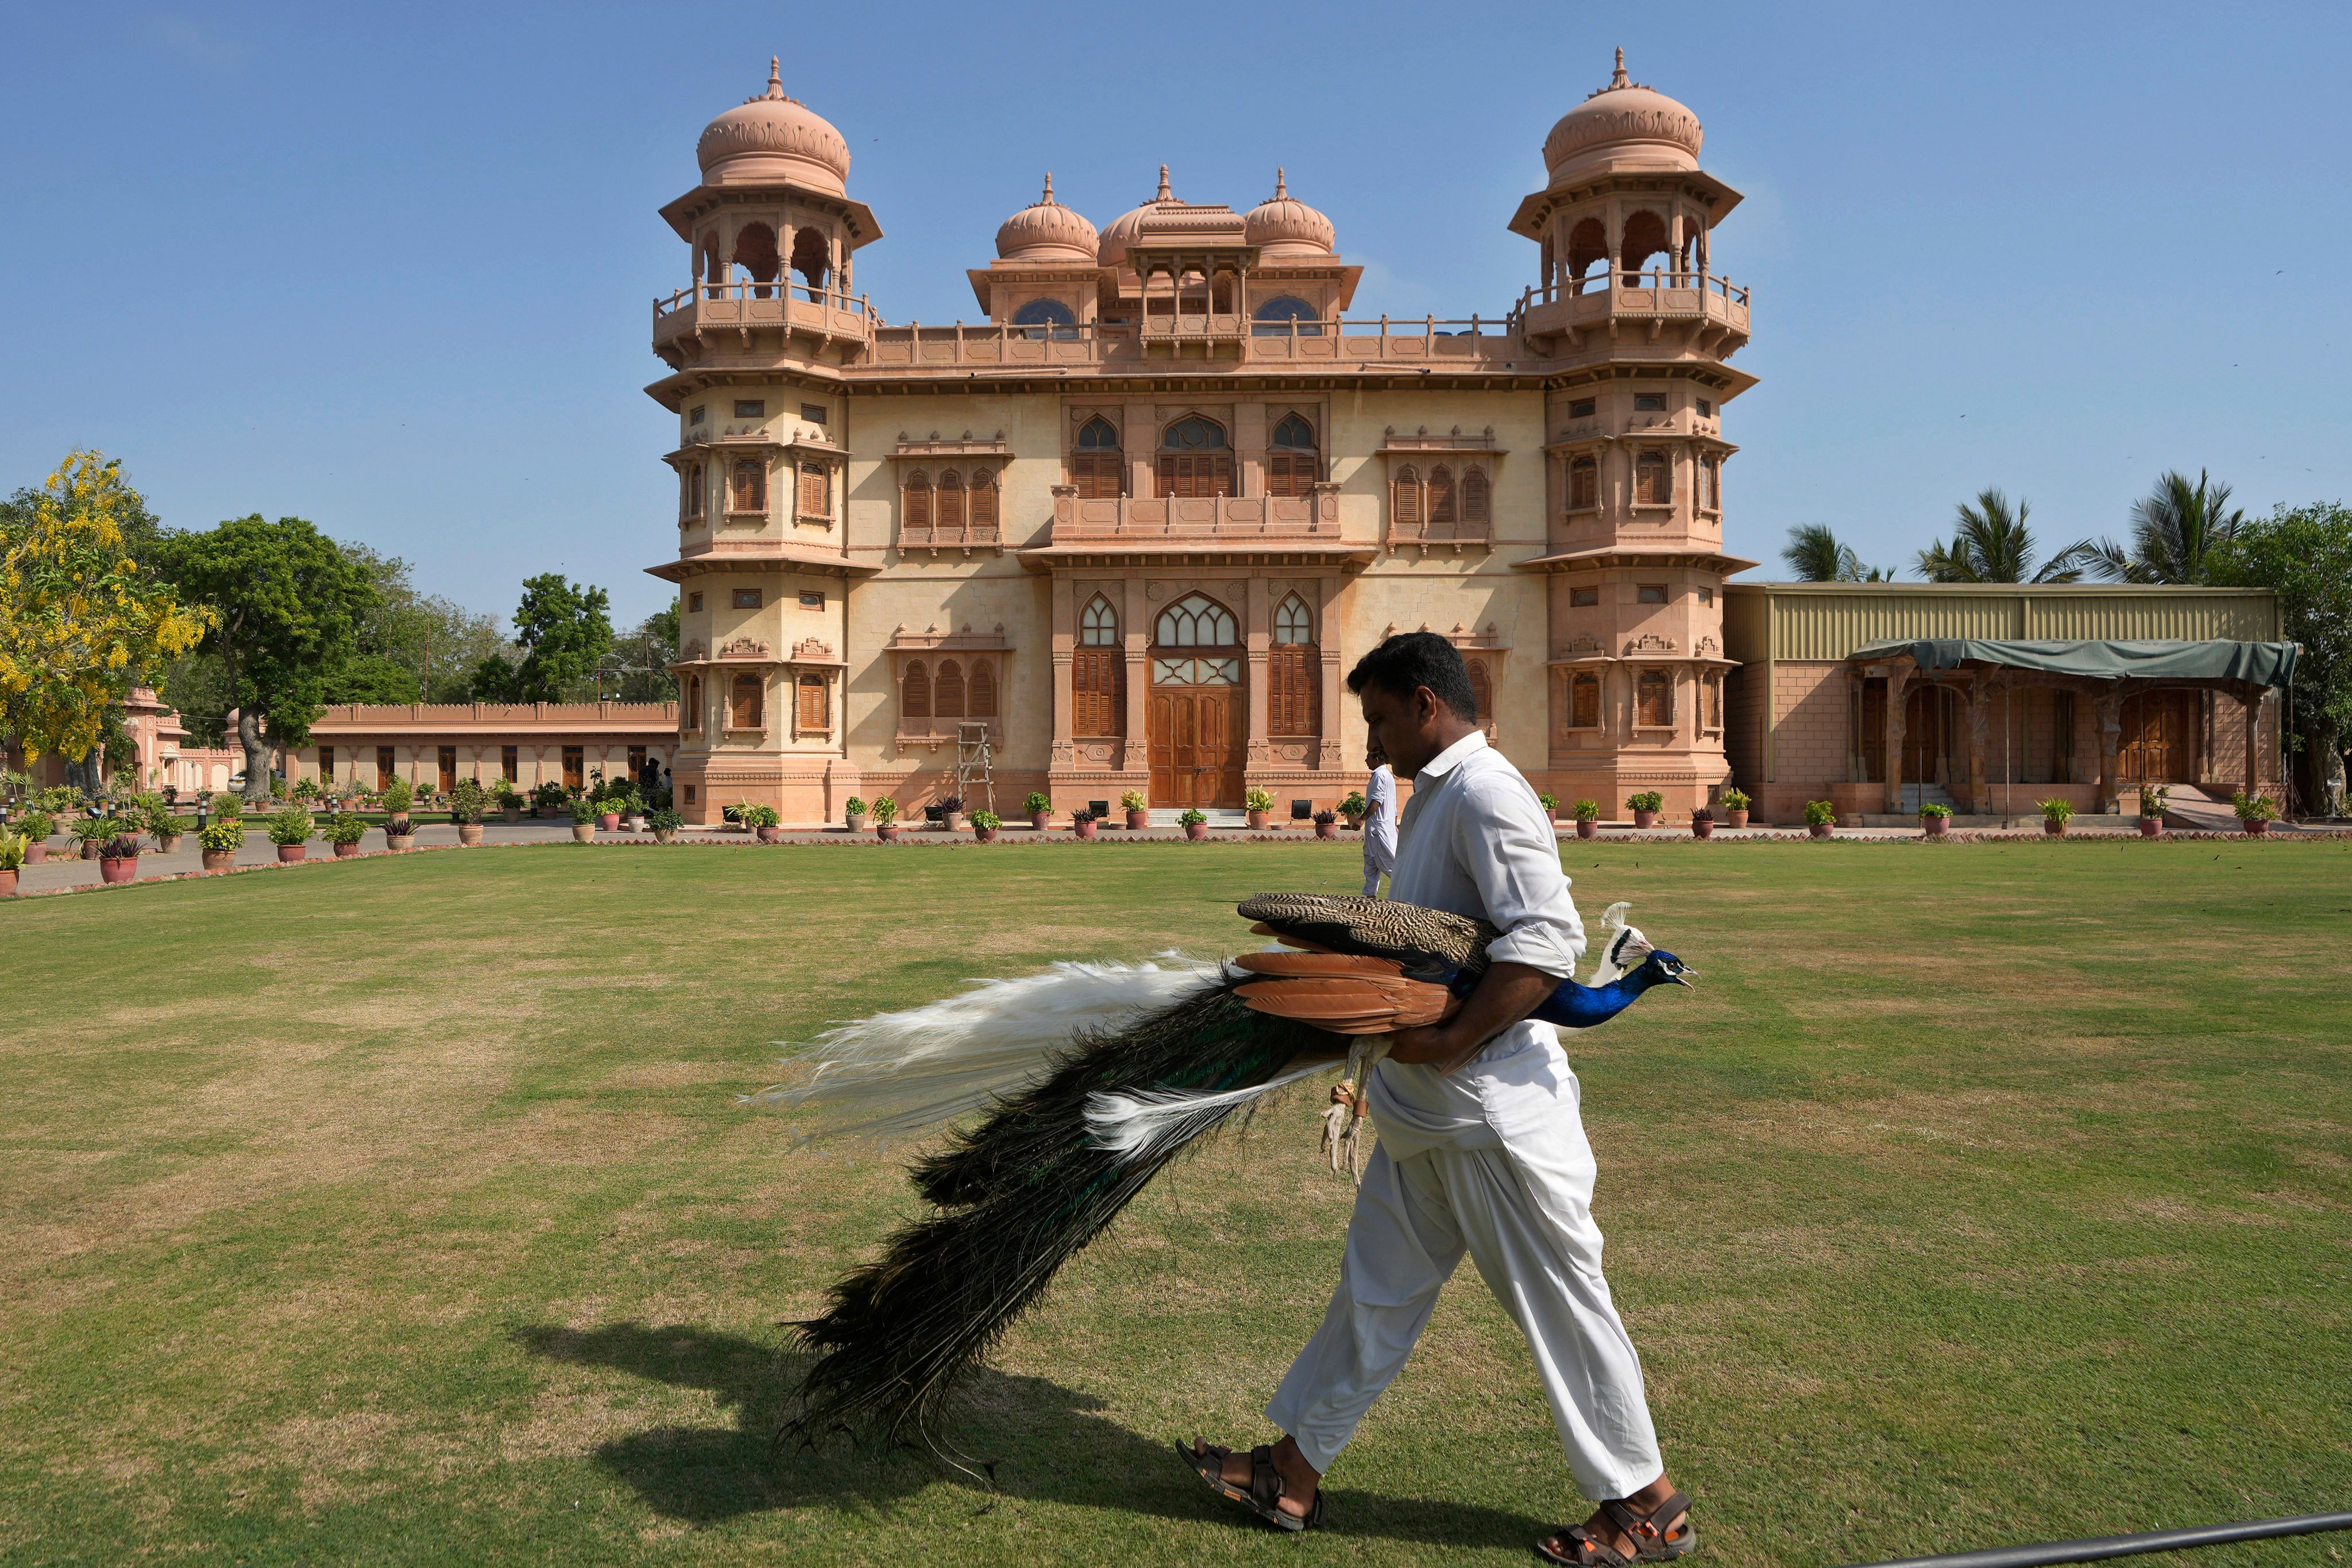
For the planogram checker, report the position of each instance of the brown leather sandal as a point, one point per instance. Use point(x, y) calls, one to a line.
point(1652, 1541)
point(1265, 1490)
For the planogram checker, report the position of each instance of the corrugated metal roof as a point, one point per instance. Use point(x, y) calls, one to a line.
point(1828, 621)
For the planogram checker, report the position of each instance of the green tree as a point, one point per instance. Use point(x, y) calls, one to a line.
point(2178, 530)
point(564, 630)
point(372, 678)
point(289, 603)
point(81, 621)
point(438, 641)
point(1815, 555)
point(1991, 543)
point(645, 656)
point(2305, 555)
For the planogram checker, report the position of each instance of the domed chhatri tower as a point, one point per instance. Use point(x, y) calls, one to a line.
point(1129, 528)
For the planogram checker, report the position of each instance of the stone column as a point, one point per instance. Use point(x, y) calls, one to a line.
point(1063, 646)
point(1135, 628)
point(1257, 636)
point(1335, 660)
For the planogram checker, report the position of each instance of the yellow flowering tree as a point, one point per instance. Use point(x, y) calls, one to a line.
point(80, 622)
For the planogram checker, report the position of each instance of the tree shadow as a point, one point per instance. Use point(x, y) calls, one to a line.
point(1031, 1438)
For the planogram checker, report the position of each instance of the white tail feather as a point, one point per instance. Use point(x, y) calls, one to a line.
point(1144, 1124)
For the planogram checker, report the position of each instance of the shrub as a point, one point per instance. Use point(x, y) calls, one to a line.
point(1648, 800)
point(232, 805)
point(2057, 810)
point(2152, 799)
point(398, 796)
point(222, 833)
point(950, 806)
point(120, 847)
point(1132, 800)
point(1326, 818)
point(1354, 805)
point(504, 792)
point(886, 811)
point(548, 796)
point(855, 807)
point(1935, 808)
point(1703, 814)
point(2262, 808)
point(161, 820)
point(751, 815)
point(468, 801)
point(61, 798)
point(291, 825)
point(1550, 803)
point(346, 828)
point(306, 790)
point(14, 846)
point(663, 820)
point(1735, 800)
point(1258, 800)
point(90, 830)
point(583, 811)
point(37, 825)
point(1038, 800)
point(1820, 814)
point(986, 820)
point(1585, 810)
point(1079, 814)
point(1192, 817)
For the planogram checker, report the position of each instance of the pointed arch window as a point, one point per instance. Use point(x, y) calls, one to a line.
point(811, 257)
point(1294, 672)
point(1292, 463)
point(1098, 674)
point(1405, 508)
point(1584, 484)
point(981, 696)
point(747, 488)
point(1196, 621)
point(1482, 693)
point(1196, 461)
point(915, 692)
point(1099, 469)
point(1442, 517)
point(915, 508)
point(1653, 480)
point(1477, 501)
point(1098, 624)
point(947, 690)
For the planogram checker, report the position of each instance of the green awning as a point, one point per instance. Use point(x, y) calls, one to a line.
point(2256, 663)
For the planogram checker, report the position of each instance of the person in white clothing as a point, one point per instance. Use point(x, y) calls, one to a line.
point(1482, 1150)
point(1380, 819)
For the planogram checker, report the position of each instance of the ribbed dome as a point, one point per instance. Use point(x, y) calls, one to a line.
point(1112, 248)
point(1623, 123)
point(1047, 231)
point(1282, 226)
point(771, 137)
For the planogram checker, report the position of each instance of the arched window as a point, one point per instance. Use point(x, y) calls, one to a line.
point(947, 694)
point(1294, 672)
point(1712, 687)
point(1275, 318)
point(1098, 624)
point(1476, 501)
point(915, 692)
point(1584, 703)
point(748, 486)
point(1482, 693)
point(1646, 236)
point(1588, 246)
point(1406, 508)
point(1292, 463)
point(1194, 459)
point(813, 715)
point(982, 695)
point(1098, 673)
point(950, 504)
point(694, 703)
point(811, 257)
point(1046, 318)
point(689, 493)
point(1097, 468)
point(1293, 622)
point(1584, 484)
point(815, 490)
point(1654, 700)
point(755, 253)
point(1441, 502)
point(1653, 480)
point(918, 509)
point(1710, 483)
point(744, 702)
point(713, 271)
point(1195, 621)
point(984, 505)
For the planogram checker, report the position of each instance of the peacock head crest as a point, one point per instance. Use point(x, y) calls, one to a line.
point(1665, 966)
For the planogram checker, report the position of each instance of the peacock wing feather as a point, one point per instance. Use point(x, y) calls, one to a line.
point(1429, 943)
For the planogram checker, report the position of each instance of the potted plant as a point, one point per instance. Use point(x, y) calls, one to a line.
point(1734, 808)
point(167, 827)
point(584, 821)
point(344, 830)
point(466, 803)
point(2151, 809)
point(1645, 807)
point(398, 796)
point(1260, 807)
point(886, 819)
point(2254, 815)
point(1327, 825)
point(762, 820)
point(546, 799)
point(1702, 822)
point(2054, 813)
point(289, 828)
point(1819, 818)
point(950, 813)
point(854, 813)
point(1138, 814)
point(1587, 818)
point(608, 813)
point(1082, 823)
point(118, 857)
point(220, 841)
point(1040, 807)
point(88, 833)
point(1934, 818)
point(984, 825)
point(1355, 808)
point(1196, 823)
point(509, 799)
point(305, 791)
point(1550, 803)
point(12, 847)
point(665, 823)
point(35, 826)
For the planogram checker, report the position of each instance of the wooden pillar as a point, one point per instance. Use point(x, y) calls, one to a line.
point(2109, 712)
point(1895, 705)
point(1980, 720)
point(2253, 704)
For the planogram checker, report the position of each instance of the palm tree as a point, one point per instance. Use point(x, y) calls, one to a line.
point(1991, 543)
point(2178, 529)
point(1814, 554)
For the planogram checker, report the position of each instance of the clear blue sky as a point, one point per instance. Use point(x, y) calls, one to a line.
point(389, 269)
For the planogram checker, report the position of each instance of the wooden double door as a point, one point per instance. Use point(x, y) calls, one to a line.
point(1197, 744)
point(2158, 743)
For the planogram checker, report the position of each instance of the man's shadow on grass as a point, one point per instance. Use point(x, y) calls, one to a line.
point(1036, 1439)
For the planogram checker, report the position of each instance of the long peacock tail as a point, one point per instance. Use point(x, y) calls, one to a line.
point(1016, 1197)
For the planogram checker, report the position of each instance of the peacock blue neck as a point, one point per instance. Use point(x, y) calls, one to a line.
point(1575, 1006)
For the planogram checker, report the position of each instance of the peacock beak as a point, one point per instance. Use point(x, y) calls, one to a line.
point(1684, 977)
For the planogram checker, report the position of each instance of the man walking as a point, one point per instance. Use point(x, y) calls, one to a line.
point(1481, 1151)
point(1380, 819)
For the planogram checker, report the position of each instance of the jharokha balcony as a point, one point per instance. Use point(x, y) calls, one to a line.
point(743, 308)
point(1471, 344)
point(1293, 527)
point(1648, 303)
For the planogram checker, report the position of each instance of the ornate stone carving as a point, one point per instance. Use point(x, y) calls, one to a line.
point(1588, 643)
point(692, 651)
point(1708, 647)
point(812, 648)
point(1648, 642)
point(744, 647)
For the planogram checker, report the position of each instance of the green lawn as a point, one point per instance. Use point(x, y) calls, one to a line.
point(400, 1212)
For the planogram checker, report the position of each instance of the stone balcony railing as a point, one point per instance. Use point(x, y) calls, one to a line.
point(745, 307)
point(1216, 519)
point(1471, 343)
point(1649, 300)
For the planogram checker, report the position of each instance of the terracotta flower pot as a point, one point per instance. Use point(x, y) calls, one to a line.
point(1736, 819)
point(888, 832)
point(400, 842)
point(2256, 825)
point(399, 824)
point(345, 851)
point(90, 848)
point(1932, 827)
point(855, 824)
point(219, 859)
point(985, 835)
point(289, 853)
point(117, 867)
point(1326, 830)
point(2054, 826)
point(664, 835)
point(771, 835)
point(2151, 827)
point(952, 822)
point(36, 853)
point(1587, 826)
point(1084, 829)
point(1041, 820)
point(1355, 824)
point(1701, 827)
point(610, 821)
point(584, 833)
point(8, 883)
point(1258, 820)
point(469, 833)
point(1645, 819)
point(1139, 818)
point(1196, 830)
point(167, 843)
point(509, 813)
point(1819, 829)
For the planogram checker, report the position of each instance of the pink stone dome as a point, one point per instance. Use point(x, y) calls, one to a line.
point(1282, 226)
point(770, 137)
point(1111, 250)
point(1623, 124)
point(1047, 231)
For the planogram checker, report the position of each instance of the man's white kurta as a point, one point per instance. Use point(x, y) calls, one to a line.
point(1380, 827)
point(1490, 1159)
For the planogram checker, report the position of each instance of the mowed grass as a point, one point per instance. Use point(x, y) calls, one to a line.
point(401, 1212)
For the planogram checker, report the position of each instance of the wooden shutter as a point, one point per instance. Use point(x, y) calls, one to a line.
point(1482, 692)
point(1584, 484)
point(1655, 701)
point(917, 505)
point(983, 506)
point(1290, 473)
point(1098, 476)
point(951, 505)
point(1475, 498)
point(1196, 475)
point(1099, 692)
point(816, 490)
point(743, 703)
point(814, 717)
point(1653, 480)
point(984, 689)
point(915, 695)
point(1584, 703)
point(750, 493)
point(1441, 502)
point(1294, 705)
point(947, 693)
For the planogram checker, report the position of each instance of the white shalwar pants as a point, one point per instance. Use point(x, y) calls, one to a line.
point(1492, 1160)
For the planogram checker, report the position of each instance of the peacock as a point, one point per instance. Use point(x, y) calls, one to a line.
point(1094, 1077)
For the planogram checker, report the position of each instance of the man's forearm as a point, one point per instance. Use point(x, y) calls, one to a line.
point(1505, 993)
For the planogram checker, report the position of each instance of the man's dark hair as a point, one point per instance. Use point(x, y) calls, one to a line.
point(1413, 659)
